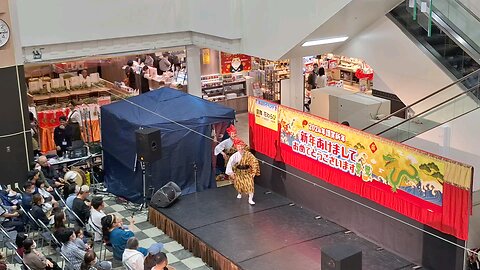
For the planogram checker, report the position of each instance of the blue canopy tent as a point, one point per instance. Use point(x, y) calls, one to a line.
point(186, 154)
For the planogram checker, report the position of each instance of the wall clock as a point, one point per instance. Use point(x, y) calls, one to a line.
point(4, 33)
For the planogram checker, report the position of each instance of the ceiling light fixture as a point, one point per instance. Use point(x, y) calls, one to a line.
point(324, 41)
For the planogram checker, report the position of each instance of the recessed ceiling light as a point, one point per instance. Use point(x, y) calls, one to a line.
point(324, 41)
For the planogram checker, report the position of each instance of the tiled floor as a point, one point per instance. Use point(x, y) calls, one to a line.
point(178, 257)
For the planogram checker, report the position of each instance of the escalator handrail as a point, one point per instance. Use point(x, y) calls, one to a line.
point(476, 87)
point(467, 9)
point(422, 99)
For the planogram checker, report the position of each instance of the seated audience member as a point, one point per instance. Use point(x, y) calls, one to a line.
point(50, 202)
point(80, 239)
point(37, 210)
point(10, 218)
point(19, 242)
point(10, 197)
point(27, 196)
point(115, 235)
point(151, 259)
point(36, 260)
point(161, 262)
point(71, 195)
point(70, 249)
point(132, 258)
point(81, 206)
point(96, 215)
point(59, 223)
point(50, 174)
point(90, 262)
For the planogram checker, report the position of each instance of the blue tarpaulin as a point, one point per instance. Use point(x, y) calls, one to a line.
point(186, 155)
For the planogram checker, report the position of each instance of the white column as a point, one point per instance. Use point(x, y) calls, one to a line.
point(296, 84)
point(193, 70)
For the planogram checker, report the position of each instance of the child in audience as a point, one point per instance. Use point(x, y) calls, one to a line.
point(80, 240)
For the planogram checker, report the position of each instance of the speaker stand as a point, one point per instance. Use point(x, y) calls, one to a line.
point(144, 195)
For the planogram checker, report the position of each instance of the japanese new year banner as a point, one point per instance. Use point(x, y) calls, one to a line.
point(363, 155)
point(266, 114)
point(232, 63)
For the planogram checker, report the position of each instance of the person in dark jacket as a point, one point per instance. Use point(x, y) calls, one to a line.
point(62, 135)
point(81, 206)
point(130, 73)
point(37, 211)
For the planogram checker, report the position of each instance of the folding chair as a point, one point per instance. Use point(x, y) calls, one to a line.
point(93, 228)
point(66, 263)
point(55, 190)
point(8, 240)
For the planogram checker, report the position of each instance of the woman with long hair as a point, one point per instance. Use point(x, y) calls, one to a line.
point(117, 236)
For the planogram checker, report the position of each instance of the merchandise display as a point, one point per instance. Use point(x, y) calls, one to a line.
point(228, 89)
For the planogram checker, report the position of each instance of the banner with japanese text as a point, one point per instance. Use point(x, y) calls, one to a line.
point(360, 154)
point(266, 114)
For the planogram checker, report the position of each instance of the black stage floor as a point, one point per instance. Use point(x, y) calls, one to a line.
point(273, 234)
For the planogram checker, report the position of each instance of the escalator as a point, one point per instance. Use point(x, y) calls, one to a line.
point(455, 43)
point(456, 101)
point(452, 41)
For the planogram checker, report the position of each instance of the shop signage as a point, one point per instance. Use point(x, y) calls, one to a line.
point(232, 63)
point(206, 56)
point(266, 114)
point(362, 155)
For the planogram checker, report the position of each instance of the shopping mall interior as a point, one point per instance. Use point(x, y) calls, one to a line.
point(239, 134)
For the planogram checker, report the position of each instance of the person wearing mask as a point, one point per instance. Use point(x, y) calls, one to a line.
point(81, 206)
point(164, 65)
point(144, 83)
point(75, 121)
point(96, 215)
point(50, 174)
point(242, 167)
point(321, 78)
point(50, 202)
point(37, 210)
point(27, 196)
point(132, 258)
point(36, 260)
point(62, 135)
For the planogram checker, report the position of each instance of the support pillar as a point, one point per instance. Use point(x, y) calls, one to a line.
point(293, 94)
point(194, 71)
point(15, 138)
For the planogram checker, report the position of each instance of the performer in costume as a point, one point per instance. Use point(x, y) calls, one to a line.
point(242, 167)
point(226, 147)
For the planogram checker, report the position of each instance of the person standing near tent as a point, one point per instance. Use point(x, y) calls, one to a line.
point(242, 167)
point(75, 121)
point(225, 148)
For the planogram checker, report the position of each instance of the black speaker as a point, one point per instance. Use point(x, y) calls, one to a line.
point(166, 195)
point(149, 147)
point(341, 257)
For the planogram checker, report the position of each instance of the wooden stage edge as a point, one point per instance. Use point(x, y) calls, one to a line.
point(190, 242)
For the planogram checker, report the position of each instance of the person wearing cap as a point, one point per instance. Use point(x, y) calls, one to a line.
point(152, 258)
point(132, 258)
point(81, 206)
point(96, 215)
point(242, 167)
point(225, 148)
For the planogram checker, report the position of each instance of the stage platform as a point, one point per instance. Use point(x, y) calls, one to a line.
point(228, 233)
